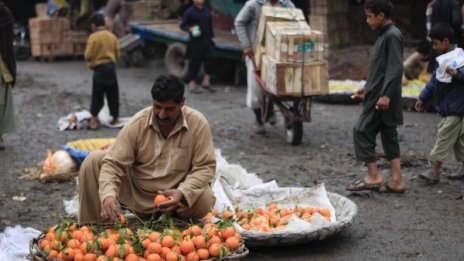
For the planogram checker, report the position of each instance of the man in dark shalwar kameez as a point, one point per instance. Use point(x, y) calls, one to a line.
point(382, 111)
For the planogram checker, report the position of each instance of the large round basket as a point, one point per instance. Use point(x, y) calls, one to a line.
point(36, 254)
point(345, 211)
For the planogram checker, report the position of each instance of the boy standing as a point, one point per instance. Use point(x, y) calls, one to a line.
point(446, 89)
point(200, 48)
point(101, 54)
point(382, 111)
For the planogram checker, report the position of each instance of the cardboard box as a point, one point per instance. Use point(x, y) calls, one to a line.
point(141, 11)
point(47, 24)
point(294, 79)
point(50, 50)
point(79, 48)
point(273, 14)
point(66, 36)
point(79, 36)
point(293, 42)
point(44, 37)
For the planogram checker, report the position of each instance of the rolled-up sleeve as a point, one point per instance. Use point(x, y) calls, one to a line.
point(203, 165)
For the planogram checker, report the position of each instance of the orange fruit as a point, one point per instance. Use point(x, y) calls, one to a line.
point(90, 257)
point(176, 249)
point(51, 236)
point(79, 257)
point(122, 219)
point(165, 251)
point(44, 243)
point(72, 227)
point(171, 256)
point(86, 247)
point(154, 236)
point(196, 230)
point(167, 241)
point(153, 257)
point(214, 240)
point(214, 249)
point(227, 232)
point(145, 242)
point(203, 253)
point(112, 251)
point(53, 253)
point(102, 258)
point(55, 244)
point(159, 199)
point(232, 243)
point(193, 256)
point(73, 243)
point(104, 243)
point(131, 257)
point(325, 212)
point(187, 246)
point(227, 214)
point(199, 241)
point(246, 226)
point(68, 254)
point(154, 247)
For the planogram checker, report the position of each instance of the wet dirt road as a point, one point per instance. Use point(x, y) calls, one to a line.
point(424, 224)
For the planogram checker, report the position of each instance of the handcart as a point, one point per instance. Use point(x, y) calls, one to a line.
point(295, 110)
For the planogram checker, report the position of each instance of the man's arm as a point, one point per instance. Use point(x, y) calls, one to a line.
point(242, 20)
point(203, 166)
point(185, 25)
point(121, 155)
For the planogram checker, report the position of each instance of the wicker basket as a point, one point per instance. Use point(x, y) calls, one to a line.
point(345, 210)
point(41, 10)
point(36, 254)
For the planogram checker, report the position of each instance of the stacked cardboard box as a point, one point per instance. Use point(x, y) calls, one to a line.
point(293, 58)
point(144, 10)
point(50, 36)
point(332, 18)
point(79, 41)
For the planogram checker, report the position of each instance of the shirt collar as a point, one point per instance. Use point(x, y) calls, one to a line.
point(385, 28)
point(181, 122)
point(282, 2)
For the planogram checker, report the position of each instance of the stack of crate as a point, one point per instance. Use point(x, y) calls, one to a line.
point(79, 41)
point(332, 18)
point(292, 59)
point(144, 10)
point(50, 37)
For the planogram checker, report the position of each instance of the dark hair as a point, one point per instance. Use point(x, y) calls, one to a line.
point(97, 19)
point(379, 6)
point(424, 47)
point(168, 87)
point(441, 31)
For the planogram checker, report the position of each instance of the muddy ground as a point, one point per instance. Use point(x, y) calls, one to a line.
point(426, 223)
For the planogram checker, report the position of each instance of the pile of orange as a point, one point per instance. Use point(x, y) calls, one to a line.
point(268, 219)
point(67, 241)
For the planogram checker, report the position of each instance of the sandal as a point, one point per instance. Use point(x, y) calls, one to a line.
point(385, 188)
point(362, 184)
point(209, 88)
point(93, 125)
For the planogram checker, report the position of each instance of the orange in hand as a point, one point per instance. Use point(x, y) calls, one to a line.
point(159, 199)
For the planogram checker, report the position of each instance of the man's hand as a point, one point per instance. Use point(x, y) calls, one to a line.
point(383, 103)
point(452, 72)
point(248, 51)
point(174, 197)
point(110, 210)
point(419, 106)
point(358, 94)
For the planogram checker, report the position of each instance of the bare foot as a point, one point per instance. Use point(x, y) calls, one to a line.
point(93, 123)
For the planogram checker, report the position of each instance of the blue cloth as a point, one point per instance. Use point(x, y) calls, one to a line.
point(77, 155)
point(448, 98)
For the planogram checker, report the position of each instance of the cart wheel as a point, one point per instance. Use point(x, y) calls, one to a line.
point(174, 60)
point(136, 58)
point(294, 132)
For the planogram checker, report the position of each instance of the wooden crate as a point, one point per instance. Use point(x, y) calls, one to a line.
point(269, 14)
point(52, 50)
point(293, 42)
point(142, 11)
point(44, 37)
point(285, 79)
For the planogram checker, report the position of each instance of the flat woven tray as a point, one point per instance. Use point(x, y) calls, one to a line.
point(345, 211)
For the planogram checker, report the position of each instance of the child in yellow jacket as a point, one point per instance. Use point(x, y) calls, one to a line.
point(101, 54)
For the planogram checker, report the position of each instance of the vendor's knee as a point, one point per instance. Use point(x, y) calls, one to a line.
point(201, 207)
point(92, 164)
